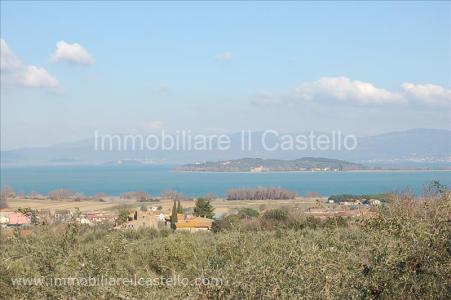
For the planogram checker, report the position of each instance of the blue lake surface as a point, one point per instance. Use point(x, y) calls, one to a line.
point(115, 180)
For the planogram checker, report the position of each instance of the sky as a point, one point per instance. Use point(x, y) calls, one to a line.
point(69, 69)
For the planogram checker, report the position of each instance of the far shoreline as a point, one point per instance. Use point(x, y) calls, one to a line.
point(348, 171)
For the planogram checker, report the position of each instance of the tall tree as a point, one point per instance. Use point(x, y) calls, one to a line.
point(122, 216)
point(174, 216)
point(172, 195)
point(179, 207)
point(60, 194)
point(5, 192)
point(204, 208)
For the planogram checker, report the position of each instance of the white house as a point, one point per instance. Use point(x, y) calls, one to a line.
point(83, 220)
point(4, 218)
point(375, 202)
point(161, 217)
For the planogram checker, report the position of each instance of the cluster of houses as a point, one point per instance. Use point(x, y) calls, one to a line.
point(154, 218)
point(372, 202)
point(261, 169)
point(11, 218)
point(149, 218)
point(43, 217)
point(96, 217)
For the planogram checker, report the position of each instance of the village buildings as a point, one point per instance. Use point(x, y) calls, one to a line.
point(194, 224)
point(14, 219)
point(145, 219)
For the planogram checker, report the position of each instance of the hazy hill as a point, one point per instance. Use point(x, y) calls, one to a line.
point(416, 147)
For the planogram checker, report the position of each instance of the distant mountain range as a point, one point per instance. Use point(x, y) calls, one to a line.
point(258, 165)
point(423, 148)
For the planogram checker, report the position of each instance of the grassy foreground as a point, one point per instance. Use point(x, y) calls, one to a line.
point(402, 253)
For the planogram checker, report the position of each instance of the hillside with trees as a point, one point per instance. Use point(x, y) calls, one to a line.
point(273, 165)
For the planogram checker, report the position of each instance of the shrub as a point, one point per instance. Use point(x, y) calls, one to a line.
point(276, 214)
point(248, 213)
point(122, 216)
point(227, 223)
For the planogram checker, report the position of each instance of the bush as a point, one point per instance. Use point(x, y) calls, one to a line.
point(227, 223)
point(248, 213)
point(276, 214)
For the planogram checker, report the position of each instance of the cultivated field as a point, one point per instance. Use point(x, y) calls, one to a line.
point(53, 205)
point(221, 206)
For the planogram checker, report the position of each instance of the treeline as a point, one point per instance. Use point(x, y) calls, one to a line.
point(139, 196)
point(260, 193)
point(58, 194)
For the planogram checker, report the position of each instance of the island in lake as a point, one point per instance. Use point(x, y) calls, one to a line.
point(273, 165)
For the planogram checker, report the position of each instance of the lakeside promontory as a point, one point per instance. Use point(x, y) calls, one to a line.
point(273, 165)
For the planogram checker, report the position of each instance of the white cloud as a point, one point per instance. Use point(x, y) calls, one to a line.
point(427, 93)
point(15, 72)
point(9, 61)
point(346, 91)
point(343, 89)
point(33, 76)
point(224, 56)
point(72, 53)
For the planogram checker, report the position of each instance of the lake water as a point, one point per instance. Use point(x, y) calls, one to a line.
point(115, 180)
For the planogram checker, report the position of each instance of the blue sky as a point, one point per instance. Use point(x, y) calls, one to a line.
point(363, 68)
